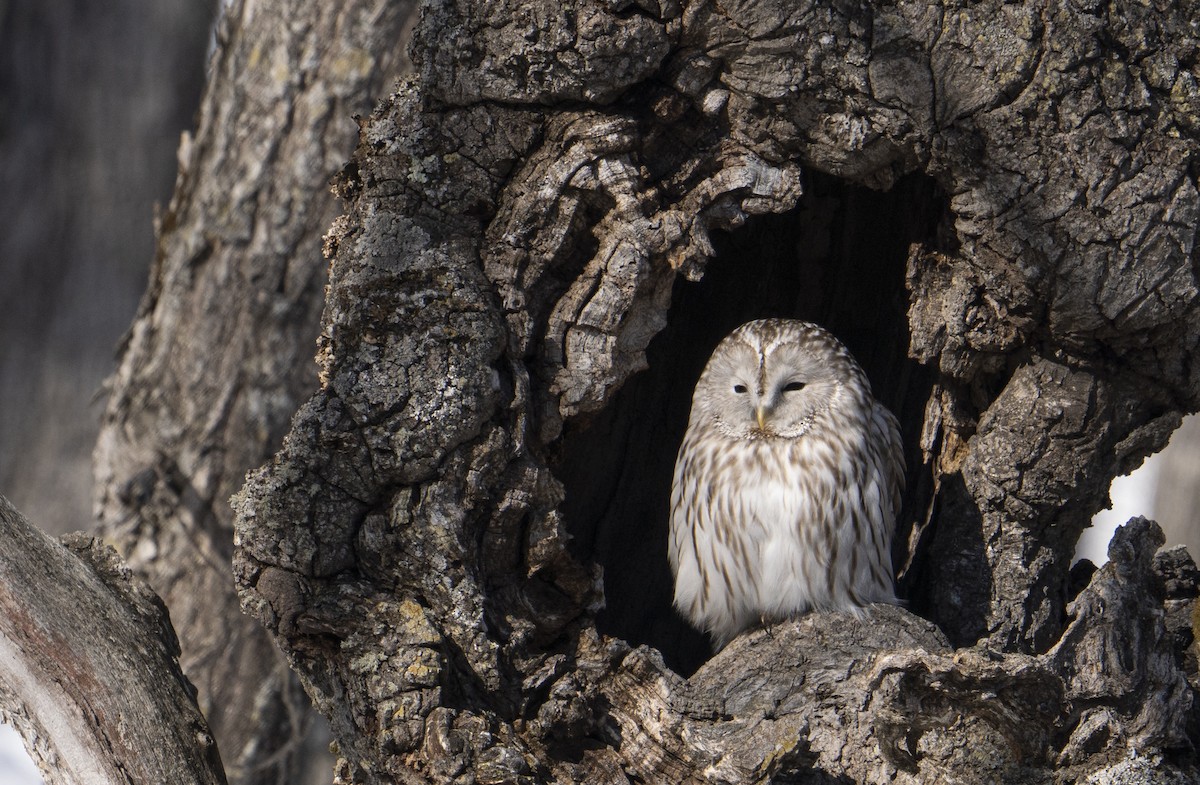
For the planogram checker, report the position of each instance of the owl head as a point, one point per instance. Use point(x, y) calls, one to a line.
point(777, 378)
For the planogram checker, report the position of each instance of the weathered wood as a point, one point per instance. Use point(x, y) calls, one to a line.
point(521, 221)
point(221, 352)
point(89, 670)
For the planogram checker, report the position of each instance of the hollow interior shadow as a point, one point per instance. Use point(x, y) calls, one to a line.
point(838, 259)
point(950, 579)
point(810, 777)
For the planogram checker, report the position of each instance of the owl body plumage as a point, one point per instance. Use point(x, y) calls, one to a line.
point(787, 483)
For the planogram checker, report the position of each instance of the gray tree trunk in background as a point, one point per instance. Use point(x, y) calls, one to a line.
point(220, 354)
point(460, 547)
point(1177, 487)
point(93, 97)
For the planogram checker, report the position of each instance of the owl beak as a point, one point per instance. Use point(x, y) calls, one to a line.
point(761, 416)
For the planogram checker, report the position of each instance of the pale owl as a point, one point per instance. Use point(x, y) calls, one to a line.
point(787, 483)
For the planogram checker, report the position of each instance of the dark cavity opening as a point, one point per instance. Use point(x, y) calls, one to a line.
point(839, 260)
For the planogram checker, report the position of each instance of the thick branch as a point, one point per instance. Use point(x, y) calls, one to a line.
point(88, 666)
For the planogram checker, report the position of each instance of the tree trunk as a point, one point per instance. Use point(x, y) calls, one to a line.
point(539, 254)
point(220, 353)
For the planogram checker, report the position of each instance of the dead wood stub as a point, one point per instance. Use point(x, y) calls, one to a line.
point(90, 675)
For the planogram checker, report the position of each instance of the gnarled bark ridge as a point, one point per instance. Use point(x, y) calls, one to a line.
point(523, 220)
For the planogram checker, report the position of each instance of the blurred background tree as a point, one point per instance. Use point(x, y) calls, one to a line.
point(95, 100)
point(94, 97)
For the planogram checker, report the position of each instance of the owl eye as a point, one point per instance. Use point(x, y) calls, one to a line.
point(739, 388)
point(793, 386)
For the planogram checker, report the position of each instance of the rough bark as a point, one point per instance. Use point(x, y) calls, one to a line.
point(221, 351)
point(89, 673)
point(523, 220)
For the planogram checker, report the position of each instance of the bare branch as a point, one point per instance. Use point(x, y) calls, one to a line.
point(89, 670)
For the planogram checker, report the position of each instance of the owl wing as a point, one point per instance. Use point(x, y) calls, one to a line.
point(882, 490)
point(711, 554)
point(886, 433)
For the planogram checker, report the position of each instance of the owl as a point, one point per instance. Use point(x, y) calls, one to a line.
point(787, 483)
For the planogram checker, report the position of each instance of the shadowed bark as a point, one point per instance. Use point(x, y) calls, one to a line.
point(547, 230)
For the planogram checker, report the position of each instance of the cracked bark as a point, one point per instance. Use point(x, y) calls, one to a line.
point(459, 546)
